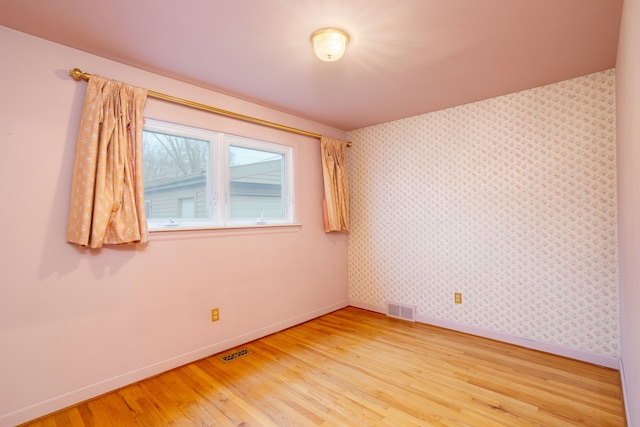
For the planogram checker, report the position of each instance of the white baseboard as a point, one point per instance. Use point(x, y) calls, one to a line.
point(90, 391)
point(560, 350)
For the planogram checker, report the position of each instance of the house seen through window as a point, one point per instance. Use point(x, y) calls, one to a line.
point(196, 178)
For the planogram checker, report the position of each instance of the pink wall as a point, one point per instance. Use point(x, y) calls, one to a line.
point(75, 323)
point(628, 136)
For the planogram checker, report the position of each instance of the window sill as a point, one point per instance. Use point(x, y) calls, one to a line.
point(197, 231)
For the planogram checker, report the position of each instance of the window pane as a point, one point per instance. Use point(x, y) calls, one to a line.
point(175, 176)
point(256, 184)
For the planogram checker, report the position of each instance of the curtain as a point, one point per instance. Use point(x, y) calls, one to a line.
point(107, 196)
point(336, 187)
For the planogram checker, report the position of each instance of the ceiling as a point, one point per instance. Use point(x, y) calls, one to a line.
point(406, 57)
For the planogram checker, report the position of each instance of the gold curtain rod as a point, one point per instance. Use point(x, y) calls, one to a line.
point(77, 74)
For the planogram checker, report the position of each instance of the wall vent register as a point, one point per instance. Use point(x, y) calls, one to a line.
point(401, 311)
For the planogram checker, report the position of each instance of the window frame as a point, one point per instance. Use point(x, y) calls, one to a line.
point(218, 179)
point(286, 193)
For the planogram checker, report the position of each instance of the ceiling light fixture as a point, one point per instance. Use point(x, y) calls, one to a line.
point(329, 44)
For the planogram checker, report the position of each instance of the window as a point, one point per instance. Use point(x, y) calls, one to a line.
point(187, 207)
point(195, 178)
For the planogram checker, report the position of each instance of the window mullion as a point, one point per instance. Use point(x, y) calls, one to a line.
point(218, 179)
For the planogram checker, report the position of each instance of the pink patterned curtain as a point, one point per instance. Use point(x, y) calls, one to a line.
point(336, 186)
point(107, 196)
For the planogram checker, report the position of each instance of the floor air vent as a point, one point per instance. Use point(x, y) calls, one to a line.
point(401, 311)
point(233, 356)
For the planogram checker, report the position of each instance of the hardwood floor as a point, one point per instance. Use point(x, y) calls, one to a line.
point(357, 368)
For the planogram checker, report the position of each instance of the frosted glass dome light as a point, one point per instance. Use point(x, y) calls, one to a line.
point(329, 44)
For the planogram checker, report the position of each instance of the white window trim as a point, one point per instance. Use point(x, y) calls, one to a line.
point(219, 216)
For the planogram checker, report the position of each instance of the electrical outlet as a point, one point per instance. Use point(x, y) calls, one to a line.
point(215, 315)
point(457, 297)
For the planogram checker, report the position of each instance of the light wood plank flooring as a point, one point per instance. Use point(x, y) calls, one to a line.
point(357, 368)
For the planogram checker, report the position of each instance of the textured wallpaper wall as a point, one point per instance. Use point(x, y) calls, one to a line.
point(510, 201)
